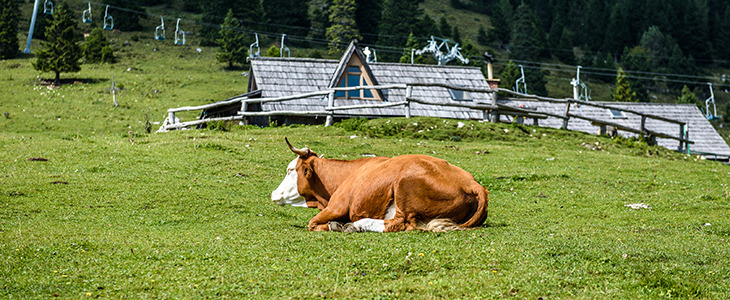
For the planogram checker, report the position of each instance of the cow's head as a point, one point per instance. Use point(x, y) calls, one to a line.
point(295, 189)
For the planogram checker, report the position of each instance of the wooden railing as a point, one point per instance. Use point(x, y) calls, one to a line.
point(491, 109)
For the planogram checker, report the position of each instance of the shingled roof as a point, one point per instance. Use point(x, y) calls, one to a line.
point(701, 132)
point(276, 77)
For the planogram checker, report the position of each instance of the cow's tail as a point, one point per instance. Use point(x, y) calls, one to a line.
point(480, 215)
point(440, 225)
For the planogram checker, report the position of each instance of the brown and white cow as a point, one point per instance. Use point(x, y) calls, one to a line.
point(383, 194)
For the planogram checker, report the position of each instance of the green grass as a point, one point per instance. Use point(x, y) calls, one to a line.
point(187, 214)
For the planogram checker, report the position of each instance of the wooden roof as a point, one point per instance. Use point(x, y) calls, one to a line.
point(700, 130)
point(276, 77)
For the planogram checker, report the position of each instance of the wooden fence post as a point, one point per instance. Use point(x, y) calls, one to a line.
point(493, 114)
point(407, 107)
point(244, 107)
point(681, 136)
point(567, 111)
point(330, 103)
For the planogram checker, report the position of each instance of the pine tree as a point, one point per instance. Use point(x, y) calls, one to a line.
point(482, 37)
point(412, 43)
point(94, 47)
point(343, 28)
point(593, 25)
point(623, 92)
point(509, 75)
point(722, 39)
point(367, 17)
point(8, 29)
point(502, 21)
point(617, 33)
point(688, 97)
point(426, 27)
point(60, 52)
point(528, 43)
point(564, 49)
point(231, 46)
point(399, 16)
point(653, 40)
point(693, 32)
point(455, 35)
point(273, 51)
point(445, 29)
point(638, 59)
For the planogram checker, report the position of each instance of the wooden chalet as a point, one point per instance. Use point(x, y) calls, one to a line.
point(272, 78)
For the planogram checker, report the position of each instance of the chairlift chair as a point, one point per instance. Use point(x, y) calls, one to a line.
point(256, 44)
point(86, 15)
point(160, 30)
point(48, 7)
point(179, 34)
point(711, 115)
point(520, 84)
point(108, 20)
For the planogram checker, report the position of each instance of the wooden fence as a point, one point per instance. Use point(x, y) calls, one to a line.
point(490, 110)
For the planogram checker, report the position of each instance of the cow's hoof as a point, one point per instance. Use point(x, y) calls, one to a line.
point(341, 227)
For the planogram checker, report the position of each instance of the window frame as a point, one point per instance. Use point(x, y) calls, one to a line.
point(612, 113)
point(465, 94)
point(362, 94)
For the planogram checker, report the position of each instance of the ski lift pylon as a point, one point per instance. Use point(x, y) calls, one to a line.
point(711, 114)
point(179, 34)
point(580, 90)
point(48, 7)
point(108, 20)
point(520, 84)
point(160, 30)
point(370, 55)
point(86, 15)
point(258, 49)
point(284, 48)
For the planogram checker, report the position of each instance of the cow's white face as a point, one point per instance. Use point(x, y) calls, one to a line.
point(288, 193)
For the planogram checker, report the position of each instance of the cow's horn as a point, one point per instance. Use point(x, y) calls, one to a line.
point(295, 150)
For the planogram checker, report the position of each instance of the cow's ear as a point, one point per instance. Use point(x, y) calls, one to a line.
point(308, 172)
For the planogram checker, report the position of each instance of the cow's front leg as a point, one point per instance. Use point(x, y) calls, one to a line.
point(331, 213)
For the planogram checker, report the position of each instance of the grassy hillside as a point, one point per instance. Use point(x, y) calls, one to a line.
point(91, 205)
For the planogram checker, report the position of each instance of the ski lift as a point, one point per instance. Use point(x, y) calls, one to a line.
point(86, 15)
point(108, 20)
point(520, 84)
point(580, 90)
point(443, 57)
point(179, 34)
point(284, 48)
point(48, 7)
point(368, 52)
point(711, 115)
point(256, 44)
point(160, 30)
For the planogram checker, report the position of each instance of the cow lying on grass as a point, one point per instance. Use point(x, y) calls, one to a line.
point(383, 194)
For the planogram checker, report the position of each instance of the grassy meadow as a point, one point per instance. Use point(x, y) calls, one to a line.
point(91, 205)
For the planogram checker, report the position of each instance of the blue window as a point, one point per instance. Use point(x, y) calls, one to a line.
point(354, 77)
